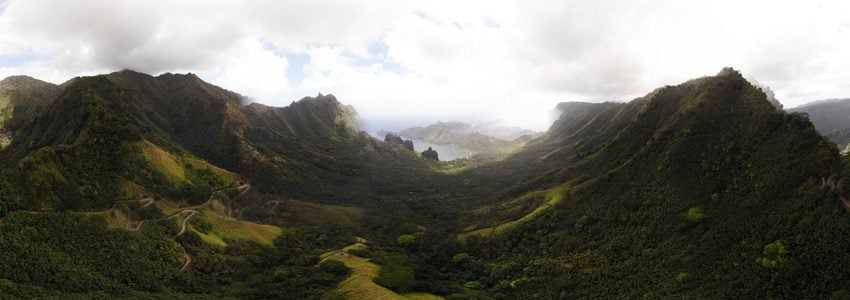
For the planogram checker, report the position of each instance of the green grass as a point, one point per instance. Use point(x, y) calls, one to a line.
point(553, 197)
point(211, 239)
point(5, 141)
point(224, 228)
point(229, 177)
point(360, 284)
point(421, 296)
point(166, 163)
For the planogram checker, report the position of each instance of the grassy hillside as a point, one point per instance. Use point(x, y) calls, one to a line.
point(694, 189)
point(131, 185)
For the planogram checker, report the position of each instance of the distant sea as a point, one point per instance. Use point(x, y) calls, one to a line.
point(445, 152)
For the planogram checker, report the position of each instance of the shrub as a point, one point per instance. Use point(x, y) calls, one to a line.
point(460, 258)
point(472, 285)
point(696, 214)
point(683, 277)
point(774, 256)
point(405, 239)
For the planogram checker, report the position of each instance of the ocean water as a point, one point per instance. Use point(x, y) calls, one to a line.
point(445, 152)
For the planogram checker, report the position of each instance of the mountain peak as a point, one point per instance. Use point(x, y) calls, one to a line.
point(729, 71)
point(328, 100)
point(18, 81)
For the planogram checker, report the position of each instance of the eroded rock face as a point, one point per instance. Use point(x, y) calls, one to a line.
point(430, 154)
point(392, 138)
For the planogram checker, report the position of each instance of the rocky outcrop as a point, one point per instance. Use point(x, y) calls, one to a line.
point(430, 154)
point(395, 139)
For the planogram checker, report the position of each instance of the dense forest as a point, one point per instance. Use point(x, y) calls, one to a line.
point(134, 186)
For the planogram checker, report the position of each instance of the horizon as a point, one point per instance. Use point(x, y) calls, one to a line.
point(472, 62)
point(373, 125)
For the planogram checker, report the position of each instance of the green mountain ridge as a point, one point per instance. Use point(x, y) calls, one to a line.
point(20, 98)
point(702, 189)
point(830, 118)
point(675, 193)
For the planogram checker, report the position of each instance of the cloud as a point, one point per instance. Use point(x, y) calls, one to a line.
point(438, 60)
point(253, 70)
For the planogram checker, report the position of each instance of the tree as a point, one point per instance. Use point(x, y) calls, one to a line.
point(774, 256)
point(696, 214)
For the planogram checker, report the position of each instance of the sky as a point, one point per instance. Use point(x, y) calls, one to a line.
point(402, 63)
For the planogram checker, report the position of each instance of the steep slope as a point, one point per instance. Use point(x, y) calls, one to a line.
point(309, 150)
point(831, 118)
point(685, 191)
point(21, 99)
point(88, 148)
point(137, 158)
point(699, 190)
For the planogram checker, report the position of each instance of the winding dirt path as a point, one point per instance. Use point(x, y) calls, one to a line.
point(189, 259)
point(149, 201)
point(342, 252)
point(191, 212)
point(844, 201)
point(130, 226)
point(335, 254)
point(276, 203)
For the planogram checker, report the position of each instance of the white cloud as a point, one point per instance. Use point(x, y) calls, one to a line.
point(252, 70)
point(481, 60)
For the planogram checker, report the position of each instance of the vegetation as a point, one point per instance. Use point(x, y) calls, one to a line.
point(700, 190)
point(69, 253)
point(830, 119)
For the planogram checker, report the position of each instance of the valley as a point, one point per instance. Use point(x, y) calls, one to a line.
point(137, 186)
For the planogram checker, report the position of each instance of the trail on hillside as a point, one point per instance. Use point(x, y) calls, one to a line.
point(189, 259)
point(192, 211)
point(130, 226)
point(186, 221)
point(275, 202)
point(844, 201)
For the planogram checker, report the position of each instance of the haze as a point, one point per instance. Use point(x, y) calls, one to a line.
point(418, 62)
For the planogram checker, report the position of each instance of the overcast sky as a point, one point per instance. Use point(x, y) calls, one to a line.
point(422, 61)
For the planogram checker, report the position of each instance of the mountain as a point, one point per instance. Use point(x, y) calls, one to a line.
point(830, 118)
point(702, 189)
point(298, 149)
point(496, 130)
point(167, 165)
point(481, 138)
point(20, 98)
point(136, 186)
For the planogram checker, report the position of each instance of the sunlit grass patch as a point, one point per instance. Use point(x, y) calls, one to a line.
point(164, 162)
point(360, 284)
point(554, 196)
point(224, 228)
